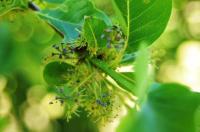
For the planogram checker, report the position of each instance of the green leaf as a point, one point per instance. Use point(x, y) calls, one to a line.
point(68, 30)
point(57, 73)
point(119, 78)
point(6, 46)
point(69, 16)
point(3, 123)
point(169, 108)
point(78, 124)
point(130, 75)
point(92, 32)
point(74, 11)
point(128, 58)
point(127, 122)
point(144, 20)
point(142, 72)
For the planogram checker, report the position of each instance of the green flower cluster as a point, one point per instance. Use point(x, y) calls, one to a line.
point(82, 85)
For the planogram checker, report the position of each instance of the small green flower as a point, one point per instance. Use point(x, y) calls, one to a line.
point(84, 86)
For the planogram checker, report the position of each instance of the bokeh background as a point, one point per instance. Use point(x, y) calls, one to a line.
point(25, 41)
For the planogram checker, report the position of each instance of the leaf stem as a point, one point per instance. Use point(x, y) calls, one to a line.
point(126, 93)
point(117, 77)
point(83, 82)
point(127, 32)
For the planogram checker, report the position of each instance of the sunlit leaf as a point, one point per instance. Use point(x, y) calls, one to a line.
point(144, 20)
point(62, 18)
point(121, 80)
point(130, 75)
point(92, 32)
point(79, 9)
point(68, 30)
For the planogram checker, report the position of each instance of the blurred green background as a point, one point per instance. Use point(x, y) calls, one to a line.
point(25, 41)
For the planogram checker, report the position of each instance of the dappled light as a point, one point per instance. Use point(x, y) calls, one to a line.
point(99, 66)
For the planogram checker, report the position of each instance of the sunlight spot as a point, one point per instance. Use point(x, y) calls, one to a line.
point(12, 126)
point(112, 126)
point(5, 104)
point(125, 69)
point(188, 55)
point(54, 110)
point(189, 60)
point(192, 15)
point(35, 94)
point(36, 118)
point(192, 12)
point(186, 69)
